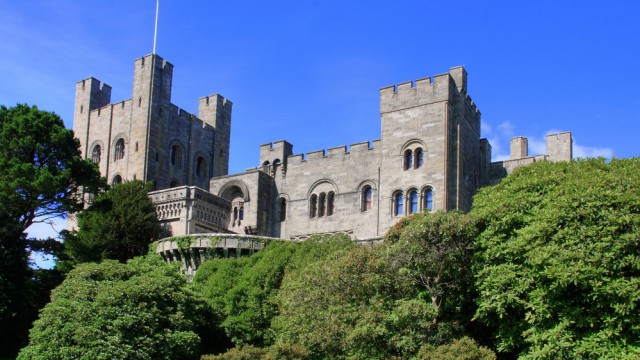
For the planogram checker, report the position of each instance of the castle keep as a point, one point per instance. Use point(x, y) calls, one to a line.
point(429, 157)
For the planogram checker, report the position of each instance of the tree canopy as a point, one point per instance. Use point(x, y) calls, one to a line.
point(41, 167)
point(41, 172)
point(137, 310)
point(558, 261)
point(120, 224)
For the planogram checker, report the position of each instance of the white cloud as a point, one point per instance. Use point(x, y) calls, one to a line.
point(506, 128)
point(580, 151)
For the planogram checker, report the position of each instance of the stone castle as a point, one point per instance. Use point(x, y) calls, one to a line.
point(429, 157)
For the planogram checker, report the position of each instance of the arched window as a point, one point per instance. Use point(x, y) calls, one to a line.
point(95, 154)
point(235, 214)
point(321, 204)
point(276, 167)
point(241, 214)
point(266, 167)
point(117, 179)
point(419, 158)
point(176, 156)
point(173, 183)
point(367, 198)
point(408, 159)
point(428, 199)
point(313, 206)
point(397, 204)
point(283, 209)
point(201, 166)
point(413, 202)
point(119, 150)
point(330, 203)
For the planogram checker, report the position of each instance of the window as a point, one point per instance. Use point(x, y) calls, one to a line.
point(95, 154)
point(201, 166)
point(117, 179)
point(419, 158)
point(367, 198)
point(397, 204)
point(283, 209)
point(176, 156)
point(313, 206)
point(408, 159)
point(266, 167)
point(119, 151)
point(276, 166)
point(330, 204)
point(235, 215)
point(428, 199)
point(241, 214)
point(413, 202)
point(321, 204)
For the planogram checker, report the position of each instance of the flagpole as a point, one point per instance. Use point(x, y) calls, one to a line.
point(155, 31)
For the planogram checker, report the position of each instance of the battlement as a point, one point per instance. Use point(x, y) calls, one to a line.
point(336, 152)
point(423, 91)
point(92, 93)
point(160, 63)
point(560, 146)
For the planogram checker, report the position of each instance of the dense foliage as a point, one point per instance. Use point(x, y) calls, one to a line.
point(137, 310)
point(327, 297)
point(241, 291)
point(119, 224)
point(41, 169)
point(558, 263)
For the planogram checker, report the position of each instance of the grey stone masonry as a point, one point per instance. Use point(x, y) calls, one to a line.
point(429, 157)
point(149, 138)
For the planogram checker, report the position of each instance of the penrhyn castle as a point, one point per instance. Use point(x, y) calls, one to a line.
point(429, 157)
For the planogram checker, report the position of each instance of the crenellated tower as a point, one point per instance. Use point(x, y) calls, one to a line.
point(149, 138)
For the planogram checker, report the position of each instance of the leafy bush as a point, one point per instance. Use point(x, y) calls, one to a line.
point(119, 225)
point(461, 349)
point(137, 310)
point(242, 291)
point(558, 271)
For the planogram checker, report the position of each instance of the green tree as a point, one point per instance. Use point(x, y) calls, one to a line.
point(41, 171)
point(352, 304)
point(558, 266)
point(15, 313)
point(138, 310)
point(41, 167)
point(119, 224)
point(435, 250)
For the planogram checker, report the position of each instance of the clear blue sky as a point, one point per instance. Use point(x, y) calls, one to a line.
point(309, 71)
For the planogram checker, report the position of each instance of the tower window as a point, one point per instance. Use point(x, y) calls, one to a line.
point(428, 199)
point(116, 180)
point(408, 159)
point(367, 198)
point(201, 166)
point(283, 209)
point(413, 202)
point(95, 154)
point(330, 203)
point(313, 206)
point(176, 156)
point(276, 166)
point(419, 158)
point(321, 204)
point(119, 150)
point(397, 204)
